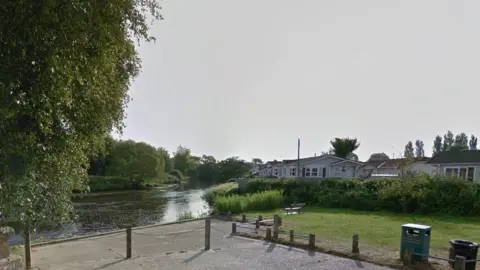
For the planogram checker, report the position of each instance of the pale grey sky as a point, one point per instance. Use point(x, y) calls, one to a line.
point(247, 78)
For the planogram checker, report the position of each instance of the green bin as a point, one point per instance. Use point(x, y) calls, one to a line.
point(416, 237)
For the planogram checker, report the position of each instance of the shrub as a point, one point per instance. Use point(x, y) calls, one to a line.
point(220, 190)
point(104, 183)
point(422, 194)
point(185, 216)
point(267, 200)
point(178, 174)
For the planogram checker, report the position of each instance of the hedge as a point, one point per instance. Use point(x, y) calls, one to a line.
point(421, 194)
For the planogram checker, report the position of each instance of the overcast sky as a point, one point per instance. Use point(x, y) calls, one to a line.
point(247, 78)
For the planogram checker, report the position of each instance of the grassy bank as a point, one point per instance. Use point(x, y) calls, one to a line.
point(226, 189)
point(378, 229)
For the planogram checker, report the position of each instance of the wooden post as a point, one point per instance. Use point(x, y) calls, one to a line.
point(408, 257)
point(355, 249)
point(129, 242)
point(257, 224)
point(244, 218)
point(207, 233)
point(292, 236)
point(459, 263)
point(234, 227)
point(268, 234)
point(260, 218)
point(276, 225)
point(28, 251)
point(311, 241)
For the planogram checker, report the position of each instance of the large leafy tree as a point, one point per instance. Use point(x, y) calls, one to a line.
point(207, 169)
point(136, 160)
point(232, 167)
point(65, 70)
point(184, 161)
point(257, 161)
point(167, 159)
point(461, 142)
point(342, 147)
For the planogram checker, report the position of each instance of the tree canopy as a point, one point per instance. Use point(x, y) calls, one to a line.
point(378, 157)
point(64, 75)
point(143, 163)
point(342, 147)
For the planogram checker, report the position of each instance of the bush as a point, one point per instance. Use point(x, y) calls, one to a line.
point(220, 190)
point(178, 174)
point(170, 179)
point(267, 200)
point(422, 194)
point(106, 183)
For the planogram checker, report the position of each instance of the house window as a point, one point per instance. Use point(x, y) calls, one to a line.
point(467, 173)
point(470, 173)
point(314, 171)
point(275, 172)
point(307, 171)
point(292, 172)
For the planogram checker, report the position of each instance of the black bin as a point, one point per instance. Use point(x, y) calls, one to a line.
point(464, 248)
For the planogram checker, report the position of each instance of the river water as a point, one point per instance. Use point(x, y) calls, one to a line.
point(101, 212)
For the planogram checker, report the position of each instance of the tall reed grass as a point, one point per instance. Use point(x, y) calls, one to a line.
point(267, 200)
point(220, 190)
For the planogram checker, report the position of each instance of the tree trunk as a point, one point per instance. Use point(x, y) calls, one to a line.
point(28, 254)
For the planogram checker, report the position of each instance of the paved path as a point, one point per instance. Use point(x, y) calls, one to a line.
point(180, 247)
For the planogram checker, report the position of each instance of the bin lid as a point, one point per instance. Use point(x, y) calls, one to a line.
point(457, 243)
point(417, 226)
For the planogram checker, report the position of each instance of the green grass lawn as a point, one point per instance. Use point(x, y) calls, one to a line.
point(377, 228)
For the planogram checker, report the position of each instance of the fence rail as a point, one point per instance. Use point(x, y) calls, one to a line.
point(272, 233)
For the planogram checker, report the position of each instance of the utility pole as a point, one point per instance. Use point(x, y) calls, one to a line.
point(298, 158)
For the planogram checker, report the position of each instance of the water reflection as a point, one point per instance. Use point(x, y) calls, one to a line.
point(99, 212)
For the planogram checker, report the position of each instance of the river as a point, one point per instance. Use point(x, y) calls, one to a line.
point(101, 212)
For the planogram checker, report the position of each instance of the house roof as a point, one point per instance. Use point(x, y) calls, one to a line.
point(375, 163)
point(392, 163)
point(347, 160)
point(465, 156)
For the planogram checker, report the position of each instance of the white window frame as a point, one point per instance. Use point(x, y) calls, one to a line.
point(315, 171)
point(293, 171)
point(275, 171)
point(458, 168)
point(307, 172)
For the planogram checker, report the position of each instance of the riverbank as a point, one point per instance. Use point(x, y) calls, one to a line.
point(117, 183)
point(107, 211)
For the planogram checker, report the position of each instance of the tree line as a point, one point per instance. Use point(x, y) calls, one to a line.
point(447, 142)
point(141, 163)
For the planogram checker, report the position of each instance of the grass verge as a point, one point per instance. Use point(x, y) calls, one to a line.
point(379, 232)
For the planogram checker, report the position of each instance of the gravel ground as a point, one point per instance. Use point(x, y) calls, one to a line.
point(180, 246)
